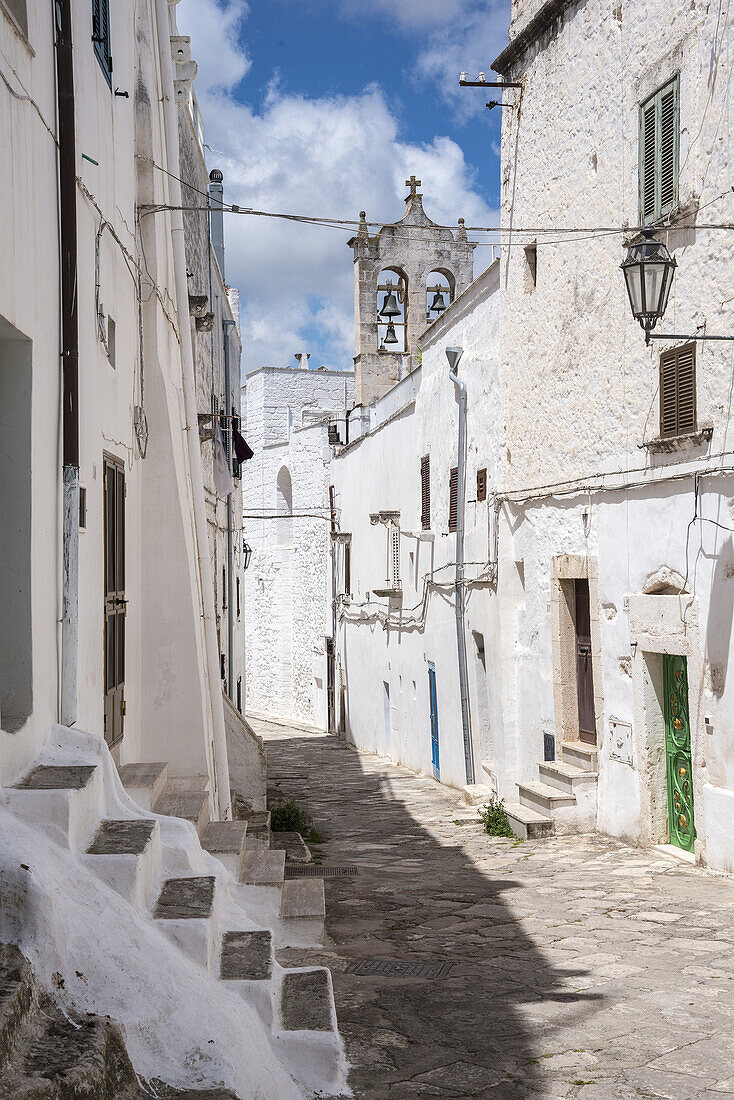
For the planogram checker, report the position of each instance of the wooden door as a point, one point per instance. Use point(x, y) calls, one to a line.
point(584, 668)
point(678, 762)
point(115, 603)
point(330, 685)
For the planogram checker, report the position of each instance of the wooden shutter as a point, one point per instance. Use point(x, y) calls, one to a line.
point(678, 391)
point(347, 569)
point(453, 497)
point(395, 556)
point(482, 484)
point(425, 492)
point(101, 36)
point(658, 155)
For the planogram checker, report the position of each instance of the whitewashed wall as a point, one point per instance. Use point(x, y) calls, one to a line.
point(381, 471)
point(582, 396)
point(288, 583)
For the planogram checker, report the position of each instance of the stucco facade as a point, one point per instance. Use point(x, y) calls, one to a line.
point(287, 523)
point(586, 478)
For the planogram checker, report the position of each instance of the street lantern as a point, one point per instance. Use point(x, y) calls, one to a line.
point(648, 272)
point(246, 554)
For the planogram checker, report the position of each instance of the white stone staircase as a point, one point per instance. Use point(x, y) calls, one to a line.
point(562, 799)
point(228, 914)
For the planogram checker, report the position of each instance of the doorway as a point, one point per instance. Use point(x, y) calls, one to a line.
point(433, 704)
point(678, 752)
point(584, 668)
point(115, 604)
point(330, 686)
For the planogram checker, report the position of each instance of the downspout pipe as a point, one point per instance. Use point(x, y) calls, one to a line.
point(228, 325)
point(69, 362)
point(454, 355)
point(212, 678)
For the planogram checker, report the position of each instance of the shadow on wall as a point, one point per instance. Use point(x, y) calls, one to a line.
point(720, 616)
point(468, 1034)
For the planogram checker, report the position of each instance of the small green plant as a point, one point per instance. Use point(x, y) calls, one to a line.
point(494, 818)
point(314, 837)
point(288, 817)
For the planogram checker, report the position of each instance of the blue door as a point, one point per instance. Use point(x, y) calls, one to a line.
point(433, 702)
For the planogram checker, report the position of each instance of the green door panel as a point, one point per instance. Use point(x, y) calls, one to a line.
point(678, 752)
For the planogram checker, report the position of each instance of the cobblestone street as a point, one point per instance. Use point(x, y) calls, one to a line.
point(581, 967)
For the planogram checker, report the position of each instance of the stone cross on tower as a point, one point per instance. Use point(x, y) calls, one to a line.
point(413, 184)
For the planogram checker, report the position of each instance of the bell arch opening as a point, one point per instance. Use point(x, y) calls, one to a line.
point(392, 310)
point(440, 292)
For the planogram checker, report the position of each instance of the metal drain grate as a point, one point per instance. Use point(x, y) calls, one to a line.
point(400, 968)
point(313, 870)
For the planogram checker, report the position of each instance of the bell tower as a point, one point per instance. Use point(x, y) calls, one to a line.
point(404, 276)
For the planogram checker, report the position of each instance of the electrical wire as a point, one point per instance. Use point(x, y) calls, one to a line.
point(26, 98)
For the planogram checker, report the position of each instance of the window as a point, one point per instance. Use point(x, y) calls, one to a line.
point(453, 497)
point(395, 555)
point(531, 265)
point(82, 508)
point(678, 391)
point(101, 36)
point(19, 13)
point(284, 509)
point(111, 335)
point(224, 588)
point(347, 569)
point(482, 484)
point(658, 155)
point(238, 599)
point(425, 492)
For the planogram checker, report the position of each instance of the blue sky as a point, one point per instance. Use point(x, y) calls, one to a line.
point(324, 107)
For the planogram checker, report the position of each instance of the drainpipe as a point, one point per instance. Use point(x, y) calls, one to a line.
point(454, 355)
point(228, 326)
point(218, 746)
point(69, 362)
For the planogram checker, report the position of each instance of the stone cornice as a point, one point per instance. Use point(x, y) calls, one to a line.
point(540, 22)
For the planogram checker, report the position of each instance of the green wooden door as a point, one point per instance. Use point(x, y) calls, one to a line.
point(678, 752)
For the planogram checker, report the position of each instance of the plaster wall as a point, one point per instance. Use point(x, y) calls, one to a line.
point(288, 583)
point(168, 703)
point(582, 397)
point(386, 641)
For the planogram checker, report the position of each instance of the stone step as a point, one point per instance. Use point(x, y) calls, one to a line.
point(477, 794)
point(227, 841)
point(186, 908)
point(263, 868)
point(543, 798)
point(258, 831)
point(294, 846)
point(563, 776)
point(191, 805)
point(246, 956)
point(306, 1001)
point(144, 782)
point(65, 800)
point(583, 756)
point(17, 992)
point(526, 823)
point(126, 855)
point(303, 899)
point(59, 1054)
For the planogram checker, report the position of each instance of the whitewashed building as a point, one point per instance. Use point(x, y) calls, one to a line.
point(122, 880)
point(617, 496)
point(292, 417)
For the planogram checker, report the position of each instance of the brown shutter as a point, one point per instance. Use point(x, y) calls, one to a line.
point(425, 492)
point(482, 484)
point(678, 391)
point(347, 569)
point(453, 497)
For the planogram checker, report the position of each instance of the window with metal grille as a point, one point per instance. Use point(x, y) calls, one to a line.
point(101, 36)
point(426, 492)
point(658, 156)
point(395, 556)
point(453, 497)
point(482, 484)
point(347, 569)
point(678, 391)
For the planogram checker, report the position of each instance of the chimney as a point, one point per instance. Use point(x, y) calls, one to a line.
point(216, 218)
point(303, 358)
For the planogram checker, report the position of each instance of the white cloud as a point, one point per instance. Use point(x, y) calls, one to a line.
point(328, 157)
point(215, 28)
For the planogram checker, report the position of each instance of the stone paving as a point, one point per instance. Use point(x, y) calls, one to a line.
point(581, 967)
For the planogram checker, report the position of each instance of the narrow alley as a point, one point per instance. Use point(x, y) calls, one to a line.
point(578, 967)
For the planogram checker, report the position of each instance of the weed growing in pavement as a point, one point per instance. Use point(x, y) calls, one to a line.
point(288, 817)
point(494, 818)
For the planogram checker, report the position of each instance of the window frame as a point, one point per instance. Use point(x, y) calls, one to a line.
point(660, 209)
point(101, 37)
